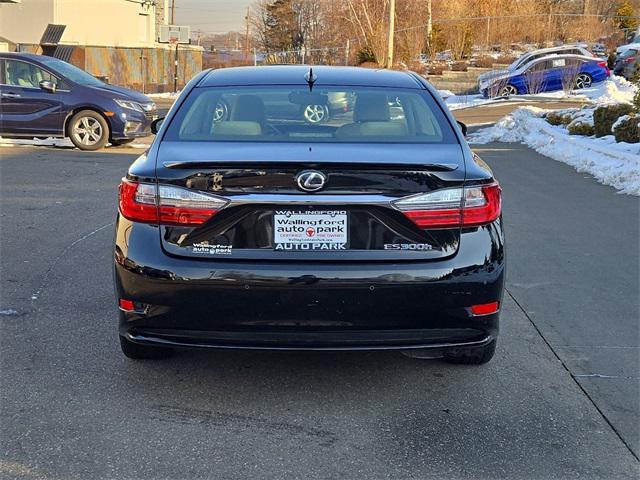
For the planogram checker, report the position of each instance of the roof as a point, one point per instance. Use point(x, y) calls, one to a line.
point(295, 75)
point(32, 57)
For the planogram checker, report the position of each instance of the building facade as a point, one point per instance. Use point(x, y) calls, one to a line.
point(113, 39)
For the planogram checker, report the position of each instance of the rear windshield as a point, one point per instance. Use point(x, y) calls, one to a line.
point(294, 114)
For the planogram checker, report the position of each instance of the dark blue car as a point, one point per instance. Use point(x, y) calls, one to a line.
point(546, 74)
point(44, 96)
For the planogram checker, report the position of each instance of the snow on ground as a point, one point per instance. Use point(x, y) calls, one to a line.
point(45, 142)
point(163, 95)
point(614, 90)
point(51, 142)
point(611, 163)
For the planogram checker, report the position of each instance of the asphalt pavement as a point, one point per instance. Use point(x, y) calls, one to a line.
point(559, 400)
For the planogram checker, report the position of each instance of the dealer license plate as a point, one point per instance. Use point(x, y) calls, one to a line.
point(322, 230)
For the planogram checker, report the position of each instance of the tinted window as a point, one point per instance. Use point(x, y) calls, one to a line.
point(71, 72)
point(293, 114)
point(23, 74)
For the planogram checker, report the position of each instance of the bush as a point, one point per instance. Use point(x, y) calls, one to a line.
point(626, 129)
point(611, 60)
point(366, 55)
point(419, 68)
point(560, 117)
point(459, 67)
point(604, 117)
point(505, 59)
point(485, 62)
point(435, 69)
point(580, 127)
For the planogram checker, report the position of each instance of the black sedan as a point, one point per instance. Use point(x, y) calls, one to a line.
point(378, 230)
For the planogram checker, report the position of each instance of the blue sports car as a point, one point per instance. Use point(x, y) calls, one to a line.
point(547, 74)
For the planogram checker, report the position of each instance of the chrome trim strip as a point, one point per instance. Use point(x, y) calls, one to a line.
point(310, 199)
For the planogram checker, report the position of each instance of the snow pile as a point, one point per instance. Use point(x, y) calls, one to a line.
point(455, 102)
point(163, 95)
point(611, 163)
point(52, 142)
point(39, 142)
point(614, 90)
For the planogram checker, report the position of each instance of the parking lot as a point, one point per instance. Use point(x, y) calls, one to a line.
point(560, 400)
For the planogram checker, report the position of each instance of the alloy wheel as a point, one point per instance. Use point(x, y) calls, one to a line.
point(88, 131)
point(583, 81)
point(220, 112)
point(315, 113)
point(508, 90)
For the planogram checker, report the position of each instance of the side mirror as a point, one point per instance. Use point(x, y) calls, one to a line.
point(156, 124)
point(463, 128)
point(48, 86)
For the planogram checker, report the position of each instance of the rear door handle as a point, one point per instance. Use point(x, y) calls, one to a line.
point(10, 95)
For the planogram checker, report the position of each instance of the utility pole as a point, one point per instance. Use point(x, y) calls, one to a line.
point(246, 36)
point(429, 21)
point(173, 12)
point(392, 21)
point(346, 53)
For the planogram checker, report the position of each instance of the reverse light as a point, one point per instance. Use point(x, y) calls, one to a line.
point(485, 308)
point(166, 204)
point(453, 207)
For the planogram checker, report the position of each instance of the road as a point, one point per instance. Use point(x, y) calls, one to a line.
point(72, 407)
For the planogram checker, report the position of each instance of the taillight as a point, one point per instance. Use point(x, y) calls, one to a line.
point(605, 65)
point(629, 59)
point(453, 207)
point(166, 204)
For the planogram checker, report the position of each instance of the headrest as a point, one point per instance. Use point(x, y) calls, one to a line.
point(248, 108)
point(371, 107)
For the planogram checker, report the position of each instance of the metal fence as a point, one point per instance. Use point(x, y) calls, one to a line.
point(148, 70)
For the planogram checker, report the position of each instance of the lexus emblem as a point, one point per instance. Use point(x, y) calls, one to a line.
point(311, 180)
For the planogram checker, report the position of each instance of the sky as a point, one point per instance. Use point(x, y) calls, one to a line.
point(212, 16)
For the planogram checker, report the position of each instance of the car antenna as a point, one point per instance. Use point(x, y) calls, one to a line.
point(310, 78)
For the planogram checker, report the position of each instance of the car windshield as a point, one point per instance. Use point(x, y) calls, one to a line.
point(632, 52)
point(295, 114)
point(71, 72)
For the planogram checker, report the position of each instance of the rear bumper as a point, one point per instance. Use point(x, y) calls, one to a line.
point(308, 305)
point(440, 340)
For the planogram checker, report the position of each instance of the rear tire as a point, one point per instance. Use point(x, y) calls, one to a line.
point(88, 130)
point(473, 355)
point(583, 80)
point(136, 351)
point(507, 91)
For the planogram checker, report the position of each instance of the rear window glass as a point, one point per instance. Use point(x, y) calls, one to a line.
point(294, 114)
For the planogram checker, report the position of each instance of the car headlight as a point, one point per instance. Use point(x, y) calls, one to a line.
point(129, 105)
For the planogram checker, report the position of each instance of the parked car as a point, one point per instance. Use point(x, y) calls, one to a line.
point(599, 49)
point(529, 57)
point(378, 231)
point(548, 74)
point(626, 62)
point(634, 43)
point(43, 96)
